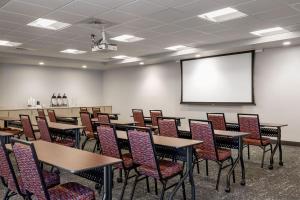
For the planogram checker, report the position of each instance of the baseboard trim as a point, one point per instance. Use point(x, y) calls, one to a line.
point(289, 143)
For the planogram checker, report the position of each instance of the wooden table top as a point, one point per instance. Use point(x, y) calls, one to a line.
point(165, 141)
point(70, 159)
point(167, 117)
point(112, 121)
point(231, 134)
point(62, 126)
point(263, 124)
point(9, 118)
point(4, 134)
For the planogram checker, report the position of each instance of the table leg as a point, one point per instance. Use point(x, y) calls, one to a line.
point(240, 159)
point(278, 145)
point(5, 123)
point(188, 173)
point(77, 138)
point(107, 183)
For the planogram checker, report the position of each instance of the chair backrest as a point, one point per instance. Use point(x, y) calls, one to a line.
point(30, 171)
point(138, 117)
point(249, 123)
point(103, 118)
point(218, 120)
point(44, 129)
point(83, 109)
point(95, 111)
point(142, 149)
point(167, 127)
point(154, 114)
point(203, 130)
point(6, 170)
point(41, 113)
point(108, 141)
point(27, 127)
point(52, 115)
point(86, 121)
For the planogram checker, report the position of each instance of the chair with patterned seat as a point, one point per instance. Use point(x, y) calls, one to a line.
point(14, 184)
point(34, 182)
point(203, 130)
point(95, 111)
point(46, 135)
point(41, 113)
point(218, 120)
point(52, 116)
point(144, 155)
point(154, 114)
point(109, 146)
point(89, 130)
point(249, 123)
point(103, 118)
point(138, 117)
point(28, 130)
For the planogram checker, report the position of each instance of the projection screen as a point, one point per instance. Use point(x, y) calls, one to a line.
point(221, 79)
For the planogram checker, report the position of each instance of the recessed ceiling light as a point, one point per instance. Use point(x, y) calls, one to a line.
point(127, 38)
point(141, 63)
point(84, 66)
point(186, 51)
point(131, 59)
point(49, 24)
point(176, 48)
point(286, 43)
point(197, 55)
point(73, 51)
point(269, 31)
point(121, 57)
point(9, 43)
point(222, 15)
point(41, 63)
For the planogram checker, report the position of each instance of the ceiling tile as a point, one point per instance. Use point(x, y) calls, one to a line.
point(281, 12)
point(169, 15)
point(15, 18)
point(172, 3)
point(226, 3)
point(8, 25)
point(122, 29)
point(116, 16)
point(213, 28)
point(65, 17)
point(200, 7)
point(193, 22)
point(255, 7)
point(25, 8)
point(109, 3)
point(288, 21)
point(52, 4)
point(143, 23)
point(167, 29)
point(141, 7)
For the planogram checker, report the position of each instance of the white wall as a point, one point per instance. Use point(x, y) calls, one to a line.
point(277, 93)
point(18, 83)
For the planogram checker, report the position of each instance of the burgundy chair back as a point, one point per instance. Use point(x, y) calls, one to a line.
point(44, 129)
point(7, 172)
point(95, 112)
point(41, 113)
point(103, 118)
point(29, 168)
point(83, 109)
point(203, 130)
point(167, 127)
point(138, 117)
point(249, 123)
point(27, 127)
point(142, 149)
point(154, 114)
point(86, 121)
point(52, 116)
point(218, 120)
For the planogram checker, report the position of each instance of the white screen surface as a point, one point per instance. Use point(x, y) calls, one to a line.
point(219, 79)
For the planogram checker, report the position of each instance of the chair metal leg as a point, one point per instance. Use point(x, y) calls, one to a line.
point(163, 190)
point(134, 185)
point(248, 147)
point(183, 187)
point(96, 144)
point(233, 173)
point(198, 168)
point(125, 184)
point(155, 183)
point(263, 157)
point(120, 179)
point(219, 174)
point(206, 164)
point(147, 183)
point(6, 195)
point(84, 143)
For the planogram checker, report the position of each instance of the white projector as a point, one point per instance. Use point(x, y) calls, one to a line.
point(104, 47)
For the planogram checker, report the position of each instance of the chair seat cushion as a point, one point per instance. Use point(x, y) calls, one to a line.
point(71, 190)
point(66, 142)
point(223, 154)
point(256, 141)
point(167, 169)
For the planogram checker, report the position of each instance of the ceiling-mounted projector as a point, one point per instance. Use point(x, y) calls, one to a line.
point(102, 44)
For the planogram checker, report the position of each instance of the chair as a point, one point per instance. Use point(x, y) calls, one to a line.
point(138, 117)
point(144, 155)
point(46, 136)
point(154, 114)
point(52, 116)
point(83, 109)
point(88, 131)
point(103, 118)
point(218, 120)
point(13, 183)
point(109, 146)
point(249, 123)
point(167, 127)
point(203, 130)
point(95, 112)
point(34, 182)
point(41, 113)
point(27, 127)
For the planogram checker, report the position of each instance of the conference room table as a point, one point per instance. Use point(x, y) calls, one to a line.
point(178, 143)
point(5, 137)
point(75, 161)
point(8, 120)
point(148, 119)
point(269, 130)
point(227, 139)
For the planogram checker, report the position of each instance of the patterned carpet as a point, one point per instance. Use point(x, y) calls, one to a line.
point(281, 183)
